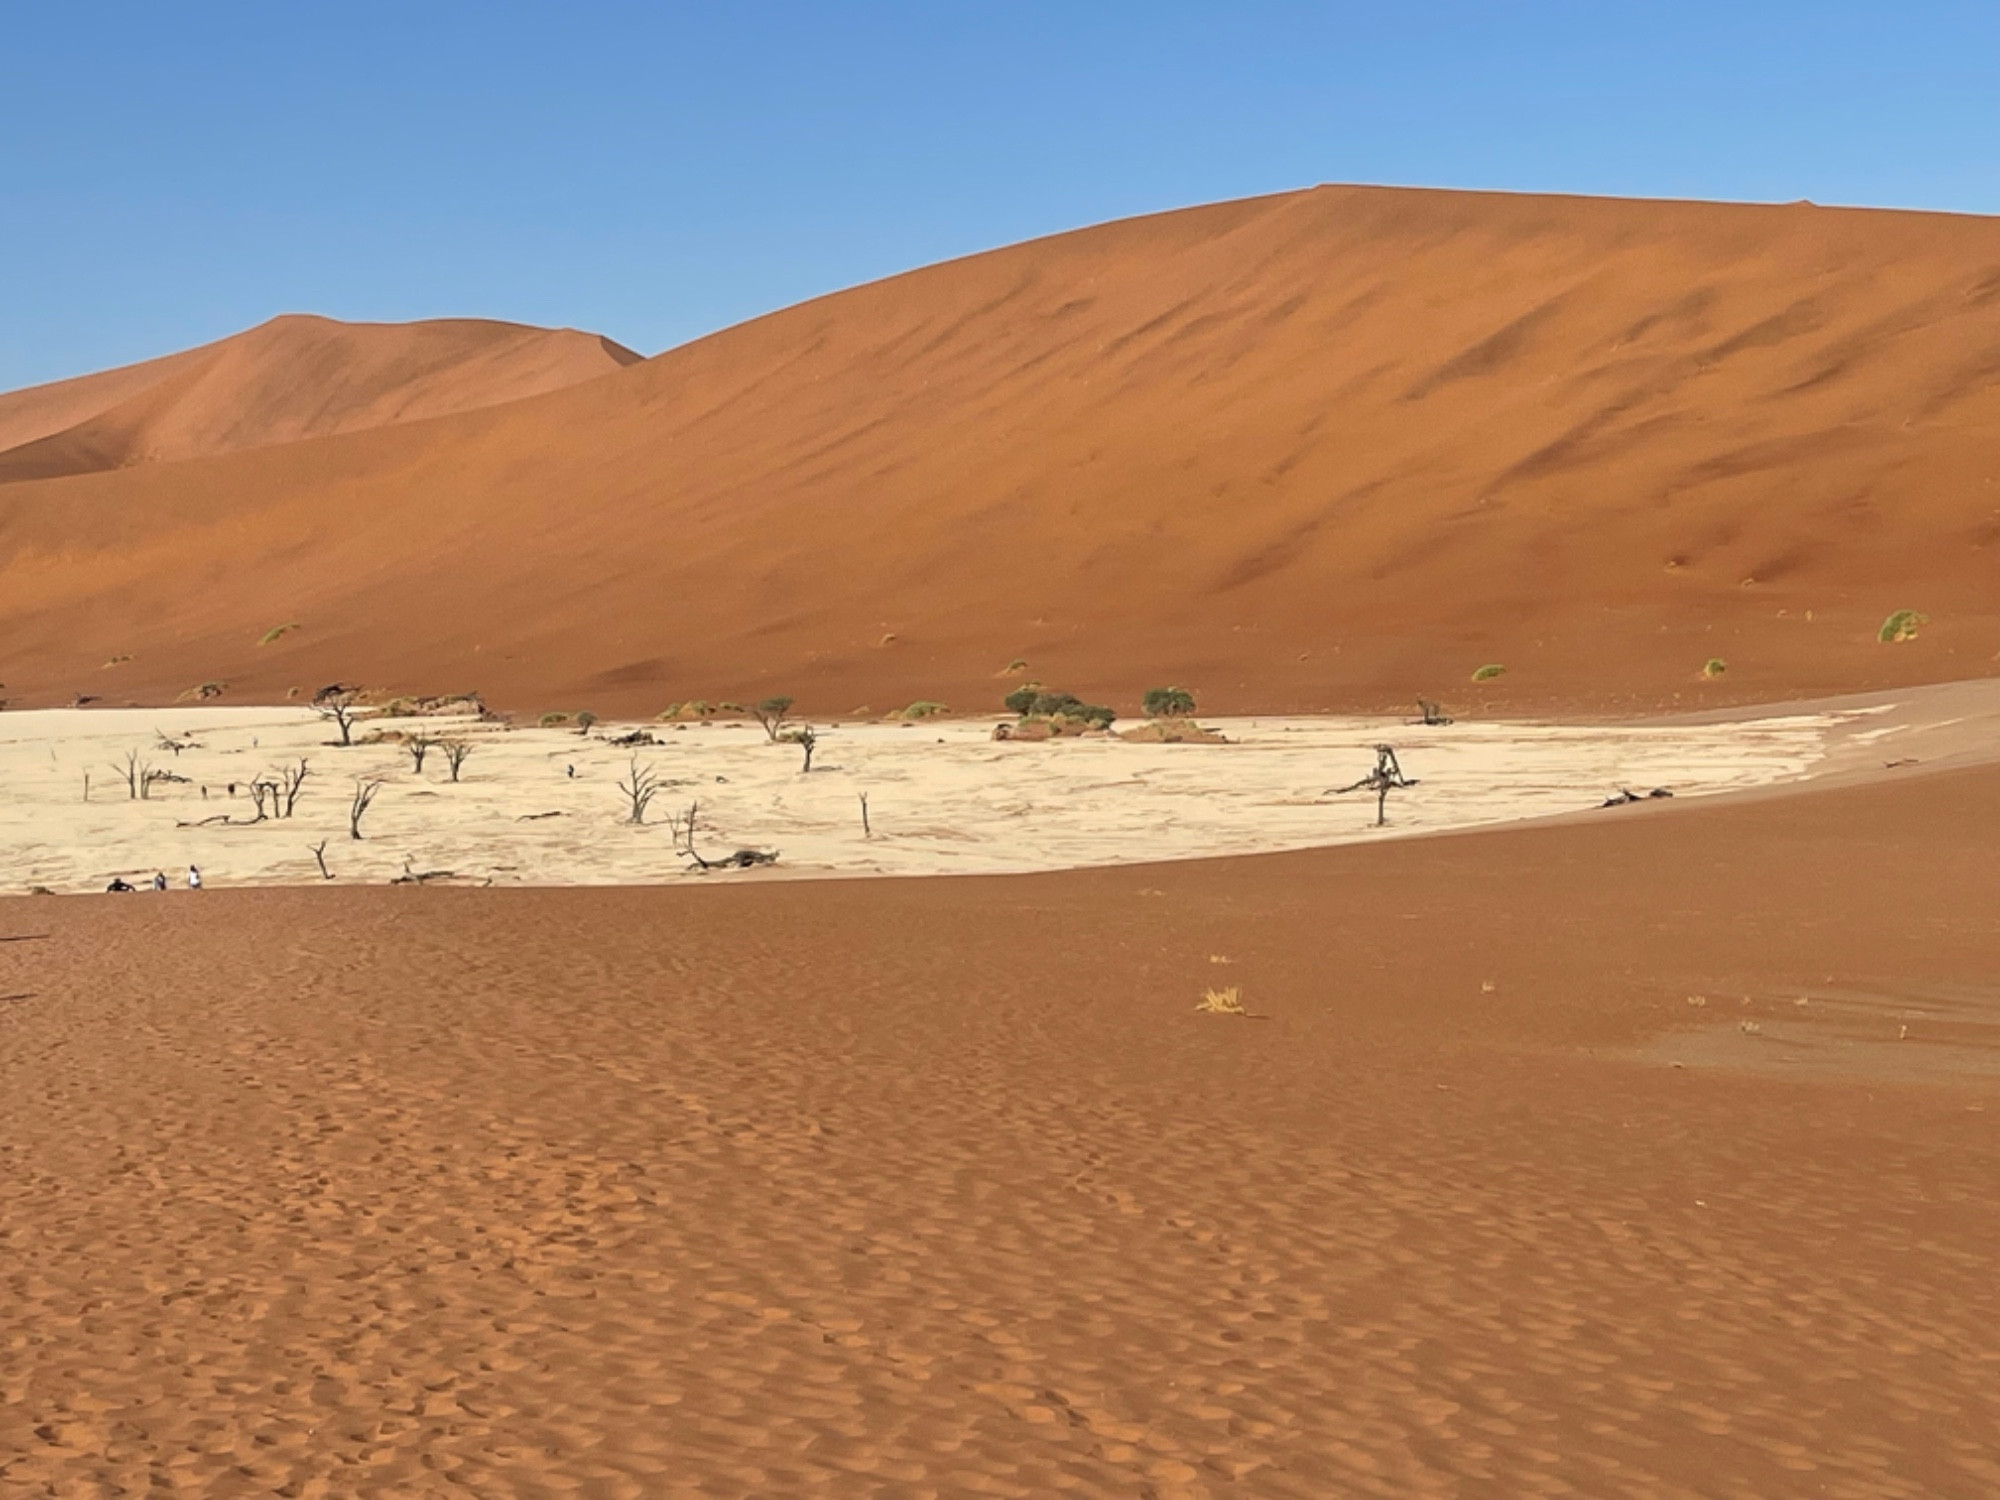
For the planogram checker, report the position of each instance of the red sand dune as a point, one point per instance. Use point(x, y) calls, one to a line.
point(1327, 449)
point(941, 1187)
point(293, 377)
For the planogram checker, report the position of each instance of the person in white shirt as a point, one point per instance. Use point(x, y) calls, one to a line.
point(194, 878)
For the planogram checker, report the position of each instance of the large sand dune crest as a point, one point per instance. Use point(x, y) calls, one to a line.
point(291, 378)
point(1323, 450)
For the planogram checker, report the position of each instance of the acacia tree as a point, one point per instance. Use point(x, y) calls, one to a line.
point(419, 745)
point(1168, 703)
point(770, 712)
point(455, 752)
point(339, 708)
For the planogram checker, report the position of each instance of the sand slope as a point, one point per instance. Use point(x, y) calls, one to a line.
point(1322, 450)
point(943, 1188)
point(293, 377)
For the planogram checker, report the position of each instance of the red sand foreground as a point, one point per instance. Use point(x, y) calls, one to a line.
point(944, 1187)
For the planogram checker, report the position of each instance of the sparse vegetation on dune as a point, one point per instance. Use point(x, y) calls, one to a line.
point(1167, 703)
point(1227, 1001)
point(1901, 626)
point(277, 633)
point(1488, 672)
point(1714, 667)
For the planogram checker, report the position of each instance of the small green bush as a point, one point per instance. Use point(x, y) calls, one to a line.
point(1714, 667)
point(277, 633)
point(1901, 626)
point(1488, 672)
point(1036, 703)
point(549, 721)
point(1168, 703)
point(923, 708)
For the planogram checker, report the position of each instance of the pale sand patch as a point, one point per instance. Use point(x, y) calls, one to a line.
point(943, 798)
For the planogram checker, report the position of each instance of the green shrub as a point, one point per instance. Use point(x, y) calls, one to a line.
point(923, 708)
point(1488, 672)
point(1901, 626)
point(1714, 667)
point(1036, 703)
point(1168, 703)
point(549, 721)
point(277, 633)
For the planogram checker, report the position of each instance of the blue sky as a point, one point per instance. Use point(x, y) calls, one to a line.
point(172, 173)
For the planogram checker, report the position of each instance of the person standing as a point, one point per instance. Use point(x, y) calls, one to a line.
point(194, 878)
point(160, 880)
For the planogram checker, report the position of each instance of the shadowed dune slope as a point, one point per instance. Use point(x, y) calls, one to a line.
point(293, 377)
point(943, 1187)
point(1327, 449)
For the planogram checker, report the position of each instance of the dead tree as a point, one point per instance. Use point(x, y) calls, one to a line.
point(866, 832)
point(138, 776)
point(364, 794)
point(805, 739)
point(455, 752)
point(339, 708)
point(319, 854)
point(681, 828)
point(640, 787)
point(153, 778)
point(770, 712)
point(585, 721)
point(1385, 778)
point(290, 779)
point(1433, 715)
point(419, 745)
point(260, 789)
point(742, 859)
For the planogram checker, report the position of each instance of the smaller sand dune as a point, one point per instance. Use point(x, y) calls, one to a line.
point(293, 377)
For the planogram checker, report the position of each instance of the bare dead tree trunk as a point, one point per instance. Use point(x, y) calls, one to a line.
point(455, 752)
point(319, 854)
point(290, 779)
point(681, 827)
point(640, 787)
point(1385, 778)
point(866, 831)
point(419, 745)
point(364, 794)
point(138, 775)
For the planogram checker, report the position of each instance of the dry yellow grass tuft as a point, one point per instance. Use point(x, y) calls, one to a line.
point(1226, 1002)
